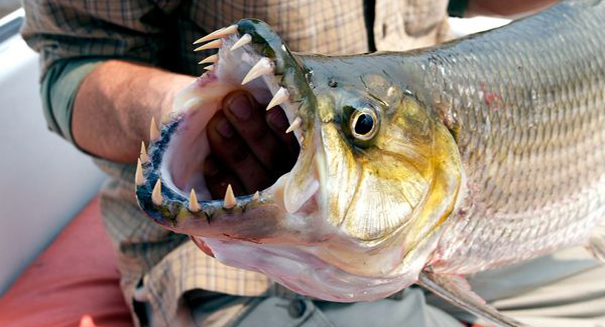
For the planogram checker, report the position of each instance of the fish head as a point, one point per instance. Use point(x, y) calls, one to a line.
point(358, 215)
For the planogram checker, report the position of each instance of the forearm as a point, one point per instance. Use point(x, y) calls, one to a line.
point(114, 105)
point(509, 8)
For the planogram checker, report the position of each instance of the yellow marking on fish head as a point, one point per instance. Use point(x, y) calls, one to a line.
point(393, 170)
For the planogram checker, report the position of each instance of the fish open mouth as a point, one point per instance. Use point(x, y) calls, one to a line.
point(170, 182)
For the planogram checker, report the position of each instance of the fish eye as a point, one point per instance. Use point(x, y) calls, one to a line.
point(364, 124)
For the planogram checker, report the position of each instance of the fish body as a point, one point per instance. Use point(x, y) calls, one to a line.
point(528, 105)
point(414, 167)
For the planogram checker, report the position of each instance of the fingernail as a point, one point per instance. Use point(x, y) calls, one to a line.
point(224, 128)
point(277, 118)
point(240, 106)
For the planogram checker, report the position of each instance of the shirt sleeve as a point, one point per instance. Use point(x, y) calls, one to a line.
point(58, 90)
point(59, 30)
point(73, 37)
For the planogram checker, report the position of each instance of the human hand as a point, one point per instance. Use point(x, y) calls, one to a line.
point(249, 146)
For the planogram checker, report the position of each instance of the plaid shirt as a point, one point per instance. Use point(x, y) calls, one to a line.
point(161, 32)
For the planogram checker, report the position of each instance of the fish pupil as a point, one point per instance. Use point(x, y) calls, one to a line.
point(364, 124)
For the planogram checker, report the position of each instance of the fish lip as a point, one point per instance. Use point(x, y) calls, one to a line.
point(175, 200)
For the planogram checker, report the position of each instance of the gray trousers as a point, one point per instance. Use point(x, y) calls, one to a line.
point(566, 289)
point(274, 311)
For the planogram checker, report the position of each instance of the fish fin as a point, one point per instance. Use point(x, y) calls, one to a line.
point(456, 290)
point(596, 243)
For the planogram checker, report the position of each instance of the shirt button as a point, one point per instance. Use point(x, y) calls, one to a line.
point(297, 308)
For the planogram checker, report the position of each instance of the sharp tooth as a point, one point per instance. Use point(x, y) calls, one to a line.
point(210, 45)
point(218, 34)
point(230, 30)
point(139, 179)
point(167, 117)
point(296, 195)
point(209, 67)
point(211, 59)
point(255, 196)
point(192, 104)
point(230, 201)
point(241, 42)
point(214, 35)
point(154, 133)
point(262, 67)
point(143, 154)
point(280, 97)
point(194, 206)
point(295, 125)
point(156, 195)
point(320, 171)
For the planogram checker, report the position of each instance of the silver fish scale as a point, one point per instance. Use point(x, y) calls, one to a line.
point(532, 136)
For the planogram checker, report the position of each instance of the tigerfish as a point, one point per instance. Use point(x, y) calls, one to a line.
point(414, 167)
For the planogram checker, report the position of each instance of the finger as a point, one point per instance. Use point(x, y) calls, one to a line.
point(228, 147)
point(248, 118)
point(218, 179)
point(278, 122)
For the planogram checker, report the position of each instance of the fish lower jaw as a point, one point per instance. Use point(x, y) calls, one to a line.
point(298, 268)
